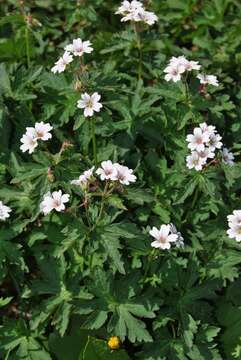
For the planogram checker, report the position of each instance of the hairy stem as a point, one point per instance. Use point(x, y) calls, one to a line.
point(187, 96)
point(138, 43)
point(102, 205)
point(94, 140)
point(27, 45)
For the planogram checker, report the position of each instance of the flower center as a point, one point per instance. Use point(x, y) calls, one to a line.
point(120, 176)
point(56, 203)
point(89, 104)
point(40, 134)
point(199, 140)
point(162, 239)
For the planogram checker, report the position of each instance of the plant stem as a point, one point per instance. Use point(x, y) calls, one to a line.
point(102, 205)
point(173, 330)
point(93, 140)
point(186, 89)
point(85, 348)
point(86, 209)
point(138, 42)
point(27, 45)
point(102, 202)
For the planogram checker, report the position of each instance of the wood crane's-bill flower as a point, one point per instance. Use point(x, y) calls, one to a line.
point(4, 211)
point(61, 64)
point(90, 103)
point(163, 237)
point(54, 201)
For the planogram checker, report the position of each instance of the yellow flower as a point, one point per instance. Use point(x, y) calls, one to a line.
point(114, 342)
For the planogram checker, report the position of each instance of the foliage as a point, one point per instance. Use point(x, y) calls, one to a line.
point(71, 280)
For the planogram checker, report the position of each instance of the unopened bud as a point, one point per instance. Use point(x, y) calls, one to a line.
point(66, 144)
point(36, 23)
point(78, 85)
point(50, 175)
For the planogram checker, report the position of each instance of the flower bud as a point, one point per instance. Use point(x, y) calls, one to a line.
point(50, 175)
point(78, 85)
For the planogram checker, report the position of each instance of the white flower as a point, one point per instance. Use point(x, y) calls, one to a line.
point(235, 233)
point(56, 201)
point(234, 223)
point(197, 140)
point(147, 16)
point(133, 15)
point(134, 11)
point(83, 178)
point(124, 174)
point(163, 237)
point(182, 61)
point(195, 161)
point(192, 65)
point(107, 171)
point(227, 157)
point(127, 6)
point(235, 218)
point(4, 211)
point(40, 131)
point(209, 129)
point(130, 10)
point(79, 47)
point(29, 143)
point(208, 79)
point(90, 103)
point(214, 142)
point(174, 72)
point(61, 64)
point(206, 154)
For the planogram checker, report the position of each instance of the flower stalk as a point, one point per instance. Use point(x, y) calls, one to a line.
point(94, 140)
point(139, 47)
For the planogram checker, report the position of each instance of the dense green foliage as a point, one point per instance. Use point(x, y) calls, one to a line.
point(71, 280)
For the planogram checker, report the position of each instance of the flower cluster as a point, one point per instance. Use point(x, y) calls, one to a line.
point(202, 143)
point(90, 103)
point(115, 172)
point(164, 236)
point(4, 211)
point(135, 11)
point(76, 48)
point(40, 131)
point(107, 171)
point(234, 223)
point(177, 66)
point(54, 201)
